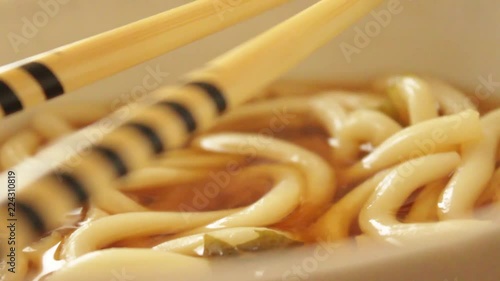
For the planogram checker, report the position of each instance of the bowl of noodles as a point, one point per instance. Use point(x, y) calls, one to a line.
point(375, 159)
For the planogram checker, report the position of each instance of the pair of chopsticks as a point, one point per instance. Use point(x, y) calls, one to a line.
point(49, 75)
point(222, 84)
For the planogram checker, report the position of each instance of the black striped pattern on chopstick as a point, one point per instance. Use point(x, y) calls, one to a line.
point(213, 92)
point(36, 221)
point(11, 102)
point(72, 184)
point(157, 146)
point(156, 131)
point(73, 66)
point(113, 158)
point(49, 82)
point(183, 113)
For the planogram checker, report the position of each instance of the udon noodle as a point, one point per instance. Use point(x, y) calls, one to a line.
point(405, 159)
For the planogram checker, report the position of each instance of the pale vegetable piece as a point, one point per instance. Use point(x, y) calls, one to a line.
point(103, 232)
point(229, 241)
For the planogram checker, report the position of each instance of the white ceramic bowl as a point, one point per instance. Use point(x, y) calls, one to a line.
point(458, 40)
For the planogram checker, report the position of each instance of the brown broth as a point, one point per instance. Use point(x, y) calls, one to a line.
point(240, 190)
point(201, 196)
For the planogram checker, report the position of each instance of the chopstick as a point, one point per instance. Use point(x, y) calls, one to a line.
point(223, 84)
point(65, 69)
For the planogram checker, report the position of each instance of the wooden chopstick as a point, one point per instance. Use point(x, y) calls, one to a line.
point(46, 76)
point(223, 84)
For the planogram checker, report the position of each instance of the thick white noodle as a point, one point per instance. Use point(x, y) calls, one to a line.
point(335, 223)
point(421, 139)
point(273, 207)
point(133, 264)
point(451, 100)
point(105, 231)
point(50, 126)
point(378, 218)
point(19, 147)
point(413, 99)
point(474, 173)
point(320, 177)
point(363, 126)
point(193, 244)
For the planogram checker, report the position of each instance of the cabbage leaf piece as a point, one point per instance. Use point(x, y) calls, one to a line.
point(215, 247)
point(266, 240)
